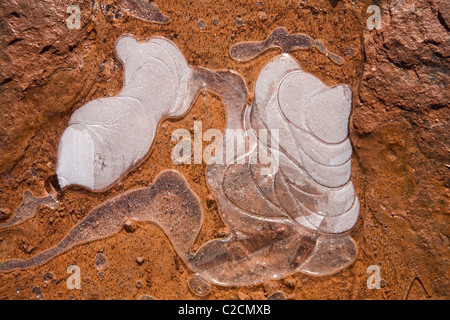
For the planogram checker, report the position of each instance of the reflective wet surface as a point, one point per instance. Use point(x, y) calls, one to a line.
point(247, 224)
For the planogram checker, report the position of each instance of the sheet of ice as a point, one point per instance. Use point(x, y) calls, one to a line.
point(293, 220)
point(245, 51)
point(315, 166)
point(168, 202)
point(28, 207)
point(144, 10)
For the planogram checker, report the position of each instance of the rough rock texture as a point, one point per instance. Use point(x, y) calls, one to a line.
point(399, 130)
point(403, 112)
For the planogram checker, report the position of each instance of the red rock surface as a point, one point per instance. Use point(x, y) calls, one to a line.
point(399, 129)
point(403, 112)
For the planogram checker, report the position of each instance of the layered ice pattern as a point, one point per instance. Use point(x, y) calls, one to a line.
point(294, 219)
point(109, 136)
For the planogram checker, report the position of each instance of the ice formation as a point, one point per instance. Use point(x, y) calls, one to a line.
point(294, 219)
point(28, 207)
point(109, 136)
point(144, 10)
point(244, 51)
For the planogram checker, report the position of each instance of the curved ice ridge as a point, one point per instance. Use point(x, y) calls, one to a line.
point(295, 219)
point(313, 181)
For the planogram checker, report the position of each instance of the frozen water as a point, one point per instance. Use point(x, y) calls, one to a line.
point(28, 207)
point(144, 10)
point(109, 136)
point(295, 220)
point(245, 51)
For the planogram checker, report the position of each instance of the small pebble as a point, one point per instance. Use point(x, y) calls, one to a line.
point(279, 295)
point(290, 282)
point(48, 277)
point(216, 21)
point(4, 213)
point(100, 262)
point(28, 248)
point(243, 296)
point(262, 16)
point(210, 202)
point(146, 297)
point(130, 226)
point(37, 292)
point(271, 286)
point(349, 51)
point(33, 173)
point(139, 284)
point(223, 232)
point(140, 260)
point(238, 22)
point(201, 24)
